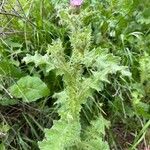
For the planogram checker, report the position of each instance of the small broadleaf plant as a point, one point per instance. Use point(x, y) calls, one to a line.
point(29, 89)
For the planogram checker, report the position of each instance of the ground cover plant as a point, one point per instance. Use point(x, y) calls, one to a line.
point(74, 75)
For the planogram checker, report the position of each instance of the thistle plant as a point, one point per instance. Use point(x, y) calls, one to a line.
point(78, 85)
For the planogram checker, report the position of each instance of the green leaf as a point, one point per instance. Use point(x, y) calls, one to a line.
point(2, 147)
point(29, 89)
point(96, 144)
point(4, 128)
point(142, 109)
point(9, 70)
point(6, 101)
point(93, 135)
point(62, 135)
point(39, 60)
point(13, 44)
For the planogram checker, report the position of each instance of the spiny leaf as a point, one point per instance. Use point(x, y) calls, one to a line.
point(93, 135)
point(61, 135)
point(39, 60)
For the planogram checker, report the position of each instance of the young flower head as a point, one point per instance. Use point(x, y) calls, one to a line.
point(76, 3)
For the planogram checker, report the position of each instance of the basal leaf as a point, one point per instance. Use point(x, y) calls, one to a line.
point(29, 89)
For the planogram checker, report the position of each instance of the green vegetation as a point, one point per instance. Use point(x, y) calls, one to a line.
point(74, 78)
